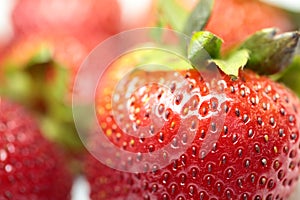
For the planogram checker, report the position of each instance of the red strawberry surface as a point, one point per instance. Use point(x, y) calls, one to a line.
point(256, 155)
point(30, 167)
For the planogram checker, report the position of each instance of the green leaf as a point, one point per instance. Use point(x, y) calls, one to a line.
point(203, 46)
point(232, 64)
point(270, 53)
point(199, 17)
point(172, 13)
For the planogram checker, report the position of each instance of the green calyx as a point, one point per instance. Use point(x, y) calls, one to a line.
point(204, 48)
point(264, 52)
point(41, 84)
point(204, 40)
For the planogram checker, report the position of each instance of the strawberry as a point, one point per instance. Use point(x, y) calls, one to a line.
point(45, 54)
point(39, 62)
point(30, 167)
point(256, 156)
point(243, 144)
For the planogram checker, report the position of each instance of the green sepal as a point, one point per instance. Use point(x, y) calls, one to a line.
point(203, 46)
point(231, 65)
point(270, 53)
point(199, 17)
point(205, 40)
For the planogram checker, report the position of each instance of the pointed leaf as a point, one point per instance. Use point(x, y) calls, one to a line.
point(270, 53)
point(234, 63)
point(203, 46)
point(199, 17)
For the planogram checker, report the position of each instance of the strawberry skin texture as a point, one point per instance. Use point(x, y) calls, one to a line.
point(30, 167)
point(255, 157)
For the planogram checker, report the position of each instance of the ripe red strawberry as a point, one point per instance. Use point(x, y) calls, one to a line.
point(222, 137)
point(255, 157)
point(30, 167)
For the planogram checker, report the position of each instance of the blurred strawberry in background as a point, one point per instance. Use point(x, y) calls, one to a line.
point(235, 20)
point(79, 18)
point(31, 167)
point(50, 41)
point(88, 22)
